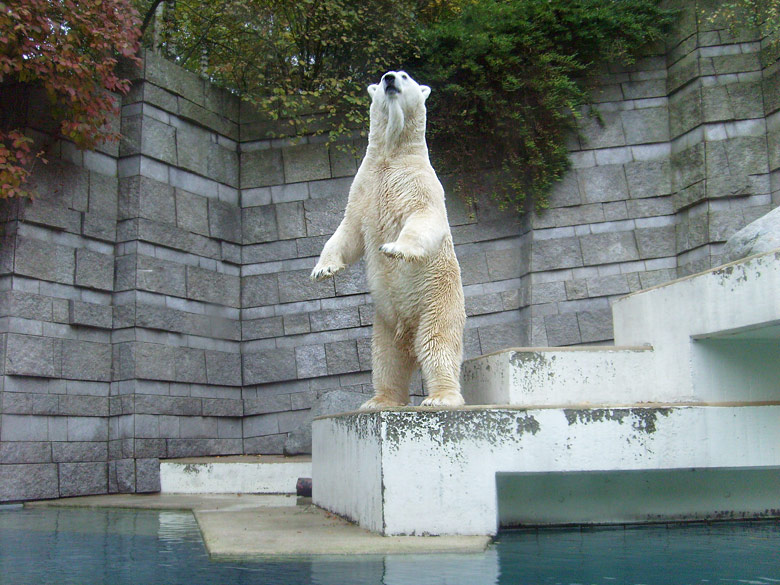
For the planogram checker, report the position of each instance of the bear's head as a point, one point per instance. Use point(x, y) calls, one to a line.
point(397, 110)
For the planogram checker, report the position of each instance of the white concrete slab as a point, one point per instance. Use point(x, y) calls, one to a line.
point(242, 474)
point(710, 338)
point(434, 472)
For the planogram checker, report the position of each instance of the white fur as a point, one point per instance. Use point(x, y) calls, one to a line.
point(396, 218)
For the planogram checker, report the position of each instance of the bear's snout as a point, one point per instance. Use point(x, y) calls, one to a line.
point(390, 86)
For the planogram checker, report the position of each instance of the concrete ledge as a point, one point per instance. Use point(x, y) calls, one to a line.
point(424, 471)
point(247, 527)
point(240, 474)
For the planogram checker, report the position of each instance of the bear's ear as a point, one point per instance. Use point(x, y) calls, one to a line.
point(372, 89)
point(426, 91)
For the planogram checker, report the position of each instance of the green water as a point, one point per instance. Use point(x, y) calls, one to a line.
point(62, 546)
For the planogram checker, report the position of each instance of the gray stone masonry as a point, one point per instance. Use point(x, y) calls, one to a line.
point(155, 300)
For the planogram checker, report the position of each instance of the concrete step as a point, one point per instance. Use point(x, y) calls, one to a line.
point(474, 469)
point(245, 474)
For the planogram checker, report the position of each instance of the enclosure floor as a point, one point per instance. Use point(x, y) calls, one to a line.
point(246, 526)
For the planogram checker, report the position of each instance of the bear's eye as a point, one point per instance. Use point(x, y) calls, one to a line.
point(405, 76)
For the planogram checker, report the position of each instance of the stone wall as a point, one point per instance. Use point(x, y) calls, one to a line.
point(155, 297)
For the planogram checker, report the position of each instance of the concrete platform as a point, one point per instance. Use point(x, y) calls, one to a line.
point(419, 471)
point(252, 526)
point(246, 474)
point(709, 338)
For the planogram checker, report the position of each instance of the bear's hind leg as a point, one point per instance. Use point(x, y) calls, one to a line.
point(440, 363)
point(392, 369)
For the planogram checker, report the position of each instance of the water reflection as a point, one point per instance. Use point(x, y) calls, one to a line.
point(48, 546)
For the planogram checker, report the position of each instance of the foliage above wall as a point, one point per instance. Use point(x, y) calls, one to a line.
point(69, 48)
point(506, 75)
point(503, 71)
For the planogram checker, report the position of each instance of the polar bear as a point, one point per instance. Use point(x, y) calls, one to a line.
point(396, 218)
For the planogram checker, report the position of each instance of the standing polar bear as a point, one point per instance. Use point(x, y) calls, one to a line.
point(396, 218)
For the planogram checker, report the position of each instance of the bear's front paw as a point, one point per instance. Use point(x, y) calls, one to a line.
point(400, 252)
point(323, 271)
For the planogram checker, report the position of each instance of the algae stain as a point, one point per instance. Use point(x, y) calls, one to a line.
point(643, 420)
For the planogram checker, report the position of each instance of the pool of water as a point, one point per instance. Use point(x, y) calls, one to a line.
point(63, 546)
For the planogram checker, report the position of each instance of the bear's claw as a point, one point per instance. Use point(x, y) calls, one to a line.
point(393, 250)
point(322, 272)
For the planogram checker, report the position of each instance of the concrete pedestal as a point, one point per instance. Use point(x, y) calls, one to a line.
point(680, 421)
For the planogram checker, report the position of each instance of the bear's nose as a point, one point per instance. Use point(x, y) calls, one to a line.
point(389, 78)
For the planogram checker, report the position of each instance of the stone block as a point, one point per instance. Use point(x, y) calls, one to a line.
point(273, 365)
point(342, 357)
point(603, 131)
point(311, 361)
point(99, 227)
point(296, 286)
point(344, 318)
point(505, 264)
point(608, 248)
point(614, 284)
point(473, 268)
point(152, 361)
point(306, 162)
point(261, 168)
point(562, 329)
point(158, 140)
point(603, 183)
point(290, 221)
point(87, 428)
point(159, 406)
point(267, 403)
point(259, 290)
point(189, 365)
point(28, 482)
point(501, 335)
point(323, 216)
point(280, 250)
point(222, 165)
point(160, 276)
point(90, 314)
point(32, 404)
point(554, 254)
point(258, 224)
point(262, 328)
point(25, 305)
point(25, 452)
point(76, 405)
point(658, 242)
point(192, 212)
point(79, 451)
point(223, 368)
point(147, 473)
point(685, 113)
point(103, 194)
point(81, 479)
point(171, 236)
point(85, 360)
point(51, 213)
point(224, 221)
point(595, 326)
point(28, 355)
point(125, 475)
point(352, 281)
point(44, 260)
point(484, 304)
point(296, 324)
point(213, 287)
point(198, 427)
point(218, 407)
point(646, 125)
point(94, 270)
point(648, 179)
point(192, 147)
point(343, 161)
point(204, 447)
